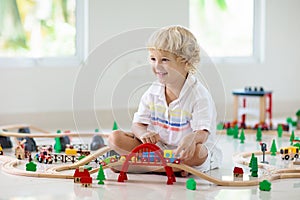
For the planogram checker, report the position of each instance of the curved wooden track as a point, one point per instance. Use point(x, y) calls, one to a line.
point(42, 133)
point(10, 164)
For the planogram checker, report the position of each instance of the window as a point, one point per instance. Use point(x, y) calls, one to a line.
point(42, 32)
point(229, 30)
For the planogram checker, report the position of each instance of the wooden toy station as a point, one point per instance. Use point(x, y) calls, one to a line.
point(265, 106)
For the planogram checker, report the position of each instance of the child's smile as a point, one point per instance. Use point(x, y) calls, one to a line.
point(166, 67)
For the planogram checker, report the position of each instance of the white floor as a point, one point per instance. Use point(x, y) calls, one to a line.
point(149, 186)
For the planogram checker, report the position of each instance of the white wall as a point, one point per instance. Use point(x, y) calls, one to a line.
point(281, 68)
point(43, 96)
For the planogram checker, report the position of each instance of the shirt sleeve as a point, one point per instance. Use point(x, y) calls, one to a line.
point(204, 115)
point(143, 115)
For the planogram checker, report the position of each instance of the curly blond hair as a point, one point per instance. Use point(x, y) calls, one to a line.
point(179, 41)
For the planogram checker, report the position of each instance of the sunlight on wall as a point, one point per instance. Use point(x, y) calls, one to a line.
point(223, 32)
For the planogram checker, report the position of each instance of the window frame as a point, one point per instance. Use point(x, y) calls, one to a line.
point(258, 51)
point(65, 61)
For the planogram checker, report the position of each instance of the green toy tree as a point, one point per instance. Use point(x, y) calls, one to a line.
point(242, 136)
point(298, 113)
point(298, 119)
point(279, 130)
point(292, 137)
point(254, 167)
point(57, 145)
point(236, 132)
point(273, 149)
point(265, 185)
point(115, 126)
point(289, 120)
point(251, 160)
point(191, 184)
point(258, 134)
point(31, 166)
point(229, 131)
point(220, 126)
point(101, 176)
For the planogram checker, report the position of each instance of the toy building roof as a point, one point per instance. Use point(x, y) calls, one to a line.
point(238, 170)
point(81, 173)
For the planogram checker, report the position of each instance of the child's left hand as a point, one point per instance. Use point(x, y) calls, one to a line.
point(187, 147)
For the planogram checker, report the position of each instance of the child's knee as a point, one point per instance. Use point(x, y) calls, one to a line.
point(202, 151)
point(115, 137)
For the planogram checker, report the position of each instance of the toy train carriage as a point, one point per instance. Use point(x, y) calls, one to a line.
point(133, 159)
point(289, 152)
point(150, 157)
point(84, 152)
point(44, 157)
point(108, 160)
point(71, 152)
point(1, 150)
point(169, 155)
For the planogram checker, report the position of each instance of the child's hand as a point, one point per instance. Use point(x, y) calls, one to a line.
point(150, 137)
point(186, 148)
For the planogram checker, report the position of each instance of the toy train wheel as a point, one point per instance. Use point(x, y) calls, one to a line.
point(102, 163)
point(286, 157)
point(296, 156)
point(123, 158)
point(177, 161)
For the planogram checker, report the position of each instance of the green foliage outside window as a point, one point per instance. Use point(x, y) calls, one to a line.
point(37, 28)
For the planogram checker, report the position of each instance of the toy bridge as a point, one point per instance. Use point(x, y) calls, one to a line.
point(146, 154)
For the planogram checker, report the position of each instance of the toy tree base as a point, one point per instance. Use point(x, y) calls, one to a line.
point(101, 183)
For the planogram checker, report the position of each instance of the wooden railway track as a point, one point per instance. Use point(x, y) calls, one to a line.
point(10, 165)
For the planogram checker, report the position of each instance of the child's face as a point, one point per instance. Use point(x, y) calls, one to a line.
point(166, 67)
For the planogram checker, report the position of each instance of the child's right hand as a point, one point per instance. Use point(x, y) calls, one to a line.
point(150, 137)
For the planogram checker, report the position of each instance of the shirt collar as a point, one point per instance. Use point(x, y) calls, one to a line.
point(189, 82)
point(159, 88)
